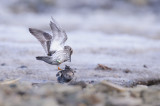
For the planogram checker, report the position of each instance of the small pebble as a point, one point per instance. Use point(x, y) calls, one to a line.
point(127, 71)
point(13, 85)
point(21, 93)
point(3, 64)
point(23, 66)
point(91, 82)
point(145, 66)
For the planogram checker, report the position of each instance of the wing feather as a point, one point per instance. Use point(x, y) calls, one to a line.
point(53, 43)
point(59, 36)
point(43, 37)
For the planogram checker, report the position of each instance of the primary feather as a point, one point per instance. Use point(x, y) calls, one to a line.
point(43, 37)
point(51, 43)
point(60, 37)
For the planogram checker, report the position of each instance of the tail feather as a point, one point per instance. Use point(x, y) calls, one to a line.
point(43, 58)
point(39, 58)
point(47, 59)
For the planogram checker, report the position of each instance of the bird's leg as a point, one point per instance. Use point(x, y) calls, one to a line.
point(59, 68)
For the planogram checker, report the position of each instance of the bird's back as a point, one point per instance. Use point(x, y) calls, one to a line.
point(61, 56)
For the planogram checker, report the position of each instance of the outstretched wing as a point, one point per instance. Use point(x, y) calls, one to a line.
point(43, 37)
point(59, 37)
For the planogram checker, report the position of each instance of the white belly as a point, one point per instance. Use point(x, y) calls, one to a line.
point(55, 46)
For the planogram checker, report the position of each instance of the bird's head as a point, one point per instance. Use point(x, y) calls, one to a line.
point(70, 51)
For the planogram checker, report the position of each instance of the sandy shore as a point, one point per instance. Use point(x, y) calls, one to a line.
point(116, 44)
point(18, 49)
point(80, 94)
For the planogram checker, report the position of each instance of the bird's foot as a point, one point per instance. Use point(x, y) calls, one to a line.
point(59, 69)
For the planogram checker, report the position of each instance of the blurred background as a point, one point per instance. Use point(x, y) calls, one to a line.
point(138, 17)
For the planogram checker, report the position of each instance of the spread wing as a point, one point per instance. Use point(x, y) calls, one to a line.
point(59, 37)
point(43, 37)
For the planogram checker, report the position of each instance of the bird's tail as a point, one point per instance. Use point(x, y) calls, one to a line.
point(43, 58)
point(47, 59)
point(39, 58)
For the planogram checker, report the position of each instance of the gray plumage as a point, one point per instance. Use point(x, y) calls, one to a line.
point(53, 44)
